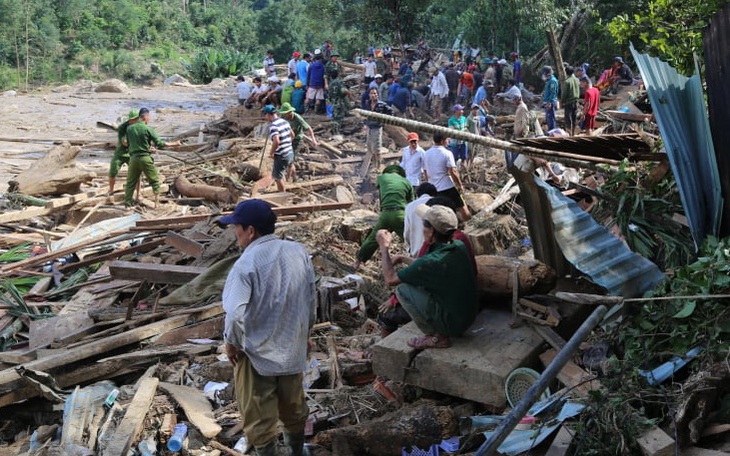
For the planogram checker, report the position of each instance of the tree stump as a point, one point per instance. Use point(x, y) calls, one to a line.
point(421, 424)
point(54, 174)
point(209, 192)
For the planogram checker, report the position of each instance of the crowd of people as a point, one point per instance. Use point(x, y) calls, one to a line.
point(421, 201)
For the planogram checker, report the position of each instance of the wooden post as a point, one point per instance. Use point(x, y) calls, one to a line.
point(554, 47)
point(131, 424)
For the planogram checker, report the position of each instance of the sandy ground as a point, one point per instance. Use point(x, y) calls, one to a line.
point(71, 112)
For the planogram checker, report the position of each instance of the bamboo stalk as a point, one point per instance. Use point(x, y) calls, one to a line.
point(574, 160)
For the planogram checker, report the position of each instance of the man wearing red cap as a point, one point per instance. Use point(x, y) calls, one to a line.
point(271, 279)
point(412, 161)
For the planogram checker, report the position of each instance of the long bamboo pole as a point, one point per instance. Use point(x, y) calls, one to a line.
point(573, 160)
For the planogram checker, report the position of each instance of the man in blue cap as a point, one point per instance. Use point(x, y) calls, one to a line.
point(269, 304)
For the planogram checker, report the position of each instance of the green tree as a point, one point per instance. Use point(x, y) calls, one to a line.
point(669, 29)
point(281, 28)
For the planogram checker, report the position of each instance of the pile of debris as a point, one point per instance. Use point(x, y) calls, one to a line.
point(110, 320)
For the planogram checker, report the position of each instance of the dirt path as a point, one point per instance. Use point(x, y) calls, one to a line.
point(71, 112)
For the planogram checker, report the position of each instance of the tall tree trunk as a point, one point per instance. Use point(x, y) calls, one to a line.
point(17, 59)
point(555, 53)
point(27, 45)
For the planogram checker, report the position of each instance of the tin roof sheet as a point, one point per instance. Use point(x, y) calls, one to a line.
point(679, 108)
point(596, 252)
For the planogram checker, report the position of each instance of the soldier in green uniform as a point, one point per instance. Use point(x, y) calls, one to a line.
point(300, 127)
point(333, 67)
point(121, 154)
point(339, 97)
point(143, 140)
point(395, 192)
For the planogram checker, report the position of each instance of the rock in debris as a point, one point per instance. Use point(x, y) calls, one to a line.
point(112, 86)
point(10, 93)
point(176, 79)
point(61, 88)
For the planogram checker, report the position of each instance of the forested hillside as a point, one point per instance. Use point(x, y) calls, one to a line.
point(43, 41)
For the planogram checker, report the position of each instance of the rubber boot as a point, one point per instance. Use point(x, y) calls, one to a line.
point(268, 450)
point(295, 443)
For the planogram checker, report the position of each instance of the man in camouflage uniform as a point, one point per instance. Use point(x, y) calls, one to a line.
point(333, 67)
point(339, 97)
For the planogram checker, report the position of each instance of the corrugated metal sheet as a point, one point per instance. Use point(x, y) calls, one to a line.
point(679, 108)
point(615, 147)
point(716, 44)
point(597, 253)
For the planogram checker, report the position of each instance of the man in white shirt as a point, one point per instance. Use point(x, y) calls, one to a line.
point(291, 67)
point(412, 222)
point(439, 91)
point(244, 90)
point(368, 70)
point(412, 160)
point(442, 173)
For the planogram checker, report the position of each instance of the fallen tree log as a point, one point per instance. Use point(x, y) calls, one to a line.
point(494, 275)
point(209, 192)
point(56, 173)
point(421, 424)
point(399, 135)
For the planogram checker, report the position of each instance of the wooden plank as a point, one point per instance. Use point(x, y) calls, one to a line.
point(561, 443)
point(212, 328)
point(317, 183)
point(184, 244)
point(44, 331)
point(131, 424)
point(154, 273)
point(196, 406)
point(550, 336)
point(95, 348)
point(572, 375)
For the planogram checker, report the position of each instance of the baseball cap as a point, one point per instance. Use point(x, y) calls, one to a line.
point(133, 114)
point(296, 54)
point(474, 106)
point(412, 136)
point(394, 169)
point(274, 79)
point(618, 59)
point(441, 218)
point(317, 51)
point(458, 107)
point(286, 108)
point(378, 76)
point(298, 84)
point(254, 212)
point(335, 54)
point(502, 62)
point(269, 109)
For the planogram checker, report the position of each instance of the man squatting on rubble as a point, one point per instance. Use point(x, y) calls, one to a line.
point(273, 277)
point(438, 290)
point(143, 141)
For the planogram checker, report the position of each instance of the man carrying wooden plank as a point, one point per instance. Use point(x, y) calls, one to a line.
point(121, 153)
point(142, 142)
point(269, 301)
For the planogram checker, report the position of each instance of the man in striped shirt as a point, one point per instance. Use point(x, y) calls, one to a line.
point(281, 135)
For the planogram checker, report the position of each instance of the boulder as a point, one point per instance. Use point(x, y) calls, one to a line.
point(175, 79)
point(112, 86)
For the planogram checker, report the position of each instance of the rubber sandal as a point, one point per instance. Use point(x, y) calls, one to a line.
point(432, 341)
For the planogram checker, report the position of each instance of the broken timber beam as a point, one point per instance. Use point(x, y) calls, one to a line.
point(196, 406)
point(183, 244)
point(154, 273)
point(316, 184)
point(573, 160)
point(131, 424)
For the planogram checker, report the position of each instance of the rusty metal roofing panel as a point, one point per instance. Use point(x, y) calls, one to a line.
point(615, 146)
point(597, 253)
point(679, 108)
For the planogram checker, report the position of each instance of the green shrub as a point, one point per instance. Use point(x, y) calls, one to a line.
point(213, 63)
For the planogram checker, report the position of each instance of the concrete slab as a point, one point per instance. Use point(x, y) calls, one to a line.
point(474, 367)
